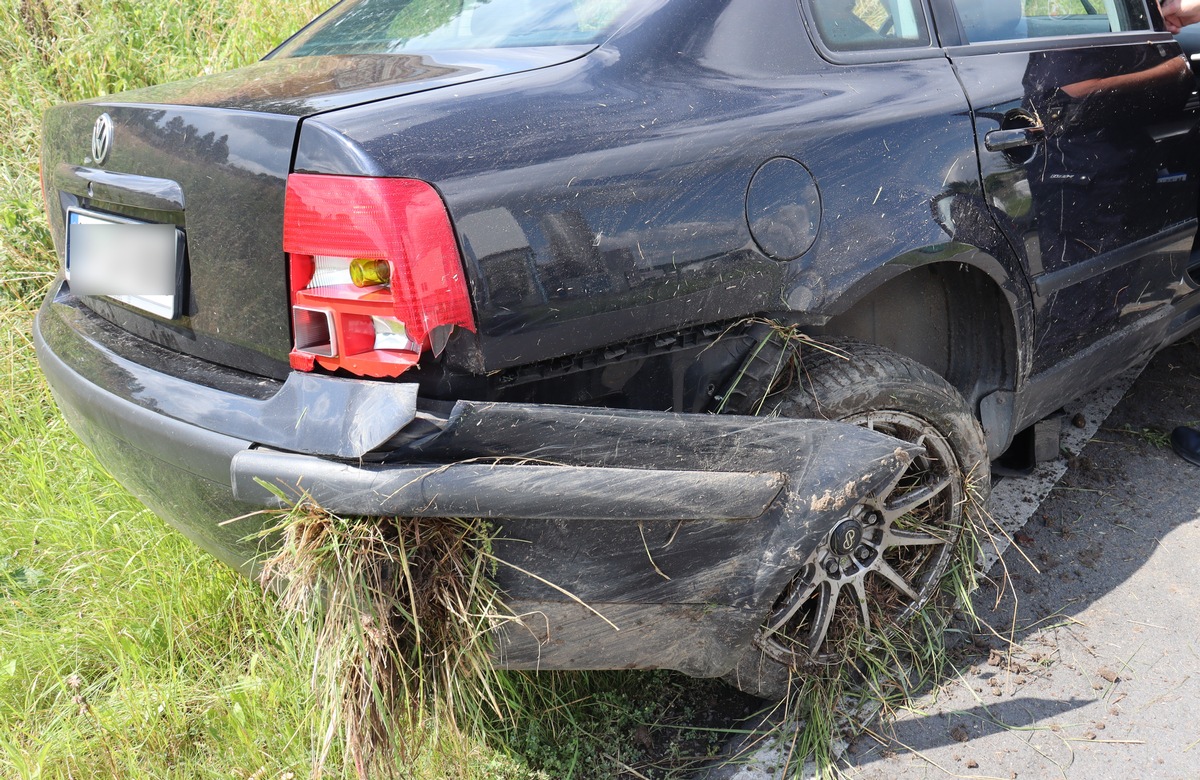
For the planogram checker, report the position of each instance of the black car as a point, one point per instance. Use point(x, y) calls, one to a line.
point(503, 259)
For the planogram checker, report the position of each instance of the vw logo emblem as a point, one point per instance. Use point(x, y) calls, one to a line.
point(102, 137)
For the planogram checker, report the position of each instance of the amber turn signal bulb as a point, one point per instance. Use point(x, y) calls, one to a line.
point(368, 272)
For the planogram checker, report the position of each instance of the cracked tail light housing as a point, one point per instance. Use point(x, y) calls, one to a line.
point(374, 272)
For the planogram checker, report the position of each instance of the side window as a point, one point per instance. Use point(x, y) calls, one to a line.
point(858, 25)
point(1004, 20)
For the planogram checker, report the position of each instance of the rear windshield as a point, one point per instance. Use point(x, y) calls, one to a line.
point(412, 26)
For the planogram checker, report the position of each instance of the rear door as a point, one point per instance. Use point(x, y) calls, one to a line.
point(1083, 126)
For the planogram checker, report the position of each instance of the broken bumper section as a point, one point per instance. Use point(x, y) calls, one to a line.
point(635, 539)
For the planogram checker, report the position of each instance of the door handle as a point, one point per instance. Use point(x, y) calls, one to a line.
point(1001, 140)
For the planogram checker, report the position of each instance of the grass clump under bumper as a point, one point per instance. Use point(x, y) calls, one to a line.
point(403, 612)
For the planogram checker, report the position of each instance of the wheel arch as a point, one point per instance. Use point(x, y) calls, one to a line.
point(946, 314)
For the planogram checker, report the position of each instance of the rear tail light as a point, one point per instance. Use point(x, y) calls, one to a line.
point(375, 273)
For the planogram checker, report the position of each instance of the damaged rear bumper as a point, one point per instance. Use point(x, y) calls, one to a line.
point(628, 538)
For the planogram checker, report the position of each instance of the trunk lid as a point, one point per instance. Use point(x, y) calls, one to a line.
point(211, 156)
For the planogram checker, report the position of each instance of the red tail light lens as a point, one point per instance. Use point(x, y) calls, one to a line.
point(375, 273)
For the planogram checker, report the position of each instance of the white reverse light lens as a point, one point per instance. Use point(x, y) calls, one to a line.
point(330, 272)
point(314, 331)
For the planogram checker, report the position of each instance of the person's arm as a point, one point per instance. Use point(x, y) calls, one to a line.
point(1141, 80)
point(1180, 13)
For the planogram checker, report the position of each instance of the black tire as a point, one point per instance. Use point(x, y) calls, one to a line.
point(911, 533)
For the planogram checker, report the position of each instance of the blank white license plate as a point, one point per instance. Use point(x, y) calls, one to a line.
point(137, 263)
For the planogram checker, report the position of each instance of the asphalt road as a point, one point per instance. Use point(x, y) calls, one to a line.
point(1091, 666)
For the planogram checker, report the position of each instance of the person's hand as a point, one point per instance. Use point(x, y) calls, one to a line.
point(1180, 13)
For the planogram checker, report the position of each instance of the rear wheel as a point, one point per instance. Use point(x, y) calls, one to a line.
point(885, 560)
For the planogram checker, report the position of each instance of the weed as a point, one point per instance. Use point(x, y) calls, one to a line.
point(771, 367)
point(607, 724)
point(403, 612)
point(1152, 436)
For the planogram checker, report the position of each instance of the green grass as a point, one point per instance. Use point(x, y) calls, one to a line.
point(124, 650)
